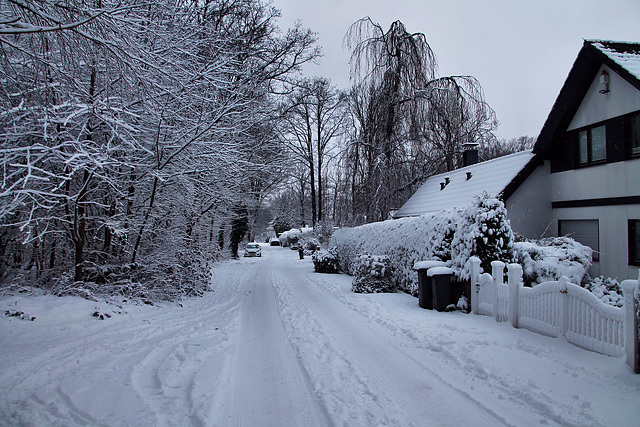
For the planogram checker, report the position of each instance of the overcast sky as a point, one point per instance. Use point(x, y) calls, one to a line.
point(520, 51)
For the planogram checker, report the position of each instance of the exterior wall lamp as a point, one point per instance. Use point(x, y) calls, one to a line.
point(604, 82)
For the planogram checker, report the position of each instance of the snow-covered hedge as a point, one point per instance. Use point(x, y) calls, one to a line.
point(550, 258)
point(373, 274)
point(451, 235)
point(325, 261)
point(290, 237)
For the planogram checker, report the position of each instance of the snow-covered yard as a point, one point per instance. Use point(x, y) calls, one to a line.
point(277, 344)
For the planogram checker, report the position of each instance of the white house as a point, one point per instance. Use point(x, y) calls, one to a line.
point(583, 176)
point(590, 144)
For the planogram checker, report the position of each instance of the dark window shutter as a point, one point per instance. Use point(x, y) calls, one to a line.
point(616, 140)
point(634, 241)
point(584, 231)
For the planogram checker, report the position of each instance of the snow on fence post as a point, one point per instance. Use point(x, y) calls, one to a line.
point(515, 283)
point(631, 290)
point(497, 271)
point(475, 286)
point(564, 284)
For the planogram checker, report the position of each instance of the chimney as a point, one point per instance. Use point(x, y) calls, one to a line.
point(469, 154)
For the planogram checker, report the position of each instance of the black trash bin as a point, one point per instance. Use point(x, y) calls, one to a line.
point(301, 252)
point(441, 285)
point(425, 299)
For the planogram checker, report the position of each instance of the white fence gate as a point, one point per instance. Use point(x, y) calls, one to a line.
point(559, 308)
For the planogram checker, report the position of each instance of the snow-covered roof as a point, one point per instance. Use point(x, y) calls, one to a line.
point(621, 57)
point(625, 54)
point(491, 176)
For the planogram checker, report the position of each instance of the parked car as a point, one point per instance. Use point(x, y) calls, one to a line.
point(253, 249)
point(274, 242)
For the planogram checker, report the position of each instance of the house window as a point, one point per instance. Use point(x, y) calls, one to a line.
point(634, 133)
point(583, 231)
point(634, 241)
point(592, 145)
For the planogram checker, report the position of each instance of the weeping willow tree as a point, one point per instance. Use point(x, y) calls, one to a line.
point(408, 122)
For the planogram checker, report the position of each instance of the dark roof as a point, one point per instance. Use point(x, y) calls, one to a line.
point(621, 57)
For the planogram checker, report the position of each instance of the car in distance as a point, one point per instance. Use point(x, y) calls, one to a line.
point(274, 241)
point(252, 249)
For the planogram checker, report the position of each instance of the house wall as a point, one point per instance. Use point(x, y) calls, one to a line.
point(589, 193)
point(529, 208)
point(608, 180)
point(622, 99)
point(613, 235)
point(607, 192)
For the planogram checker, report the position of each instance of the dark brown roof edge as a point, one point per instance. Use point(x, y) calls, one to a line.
point(575, 87)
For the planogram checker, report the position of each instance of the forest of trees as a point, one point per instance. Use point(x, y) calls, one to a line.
point(136, 136)
point(139, 141)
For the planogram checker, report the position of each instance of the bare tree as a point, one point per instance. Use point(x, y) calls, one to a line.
point(314, 116)
point(503, 147)
point(404, 112)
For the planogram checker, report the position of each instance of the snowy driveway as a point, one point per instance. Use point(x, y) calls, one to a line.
point(276, 344)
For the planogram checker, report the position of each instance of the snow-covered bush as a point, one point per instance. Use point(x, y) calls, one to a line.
point(154, 278)
point(310, 245)
point(607, 289)
point(550, 258)
point(290, 237)
point(300, 236)
point(463, 304)
point(325, 261)
point(452, 235)
point(495, 237)
point(373, 274)
point(281, 223)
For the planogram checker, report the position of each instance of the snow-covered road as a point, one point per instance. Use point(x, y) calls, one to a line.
point(276, 344)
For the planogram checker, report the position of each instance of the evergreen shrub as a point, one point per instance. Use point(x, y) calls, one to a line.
point(325, 261)
point(373, 274)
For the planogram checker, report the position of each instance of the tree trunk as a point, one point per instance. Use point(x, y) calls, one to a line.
point(319, 161)
point(80, 224)
point(239, 227)
point(146, 218)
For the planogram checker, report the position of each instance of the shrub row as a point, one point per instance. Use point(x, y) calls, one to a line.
point(481, 229)
point(451, 235)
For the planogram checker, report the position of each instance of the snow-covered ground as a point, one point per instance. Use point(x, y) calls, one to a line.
point(276, 344)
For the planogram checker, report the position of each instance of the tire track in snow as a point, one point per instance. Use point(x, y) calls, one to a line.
point(147, 354)
point(376, 373)
point(501, 391)
point(263, 382)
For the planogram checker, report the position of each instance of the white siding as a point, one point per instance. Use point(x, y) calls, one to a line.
point(596, 107)
point(529, 208)
point(618, 179)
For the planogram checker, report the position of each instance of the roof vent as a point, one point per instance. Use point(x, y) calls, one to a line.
point(446, 182)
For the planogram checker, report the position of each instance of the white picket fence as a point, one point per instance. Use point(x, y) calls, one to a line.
point(558, 308)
